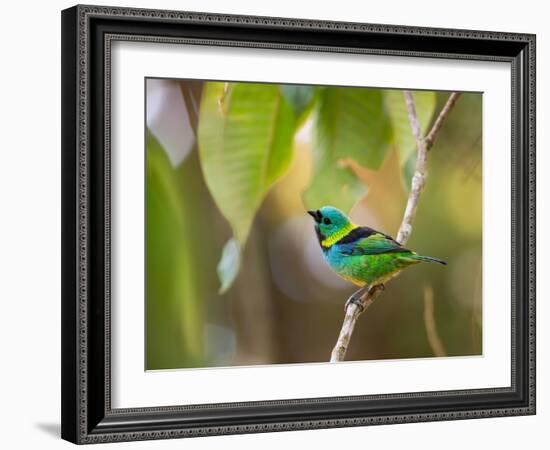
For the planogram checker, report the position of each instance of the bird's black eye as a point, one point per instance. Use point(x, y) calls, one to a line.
point(326, 221)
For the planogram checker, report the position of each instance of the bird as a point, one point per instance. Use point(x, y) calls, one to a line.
point(360, 254)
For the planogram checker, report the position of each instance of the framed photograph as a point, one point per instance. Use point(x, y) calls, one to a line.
point(280, 224)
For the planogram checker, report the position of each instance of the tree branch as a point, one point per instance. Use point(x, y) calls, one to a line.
point(419, 177)
point(423, 145)
point(353, 312)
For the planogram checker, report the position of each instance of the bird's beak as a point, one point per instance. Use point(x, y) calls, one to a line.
point(314, 214)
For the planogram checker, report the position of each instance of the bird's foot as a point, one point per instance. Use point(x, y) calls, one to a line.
point(357, 299)
point(359, 296)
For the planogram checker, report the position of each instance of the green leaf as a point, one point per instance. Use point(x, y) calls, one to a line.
point(229, 264)
point(299, 97)
point(403, 137)
point(245, 142)
point(333, 185)
point(353, 123)
point(174, 284)
point(350, 123)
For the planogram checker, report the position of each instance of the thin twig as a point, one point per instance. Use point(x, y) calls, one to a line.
point(423, 145)
point(430, 137)
point(429, 323)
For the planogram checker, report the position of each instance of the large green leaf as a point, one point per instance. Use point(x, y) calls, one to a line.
point(403, 137)
point(175, 283)
point(245, 142)
point(350, 123)
point(333, 185)
point(353, 123)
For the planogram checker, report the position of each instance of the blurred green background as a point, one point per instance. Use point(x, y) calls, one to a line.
point(234, 272)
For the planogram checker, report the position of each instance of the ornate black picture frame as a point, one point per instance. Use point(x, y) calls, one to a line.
point(87, 34)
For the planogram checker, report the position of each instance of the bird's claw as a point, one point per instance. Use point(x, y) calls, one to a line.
point(358, 297)
point(355, 299)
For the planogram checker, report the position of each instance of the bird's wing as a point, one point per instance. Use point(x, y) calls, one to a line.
point(367, 241)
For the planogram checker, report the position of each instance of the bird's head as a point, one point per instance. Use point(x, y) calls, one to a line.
point(329, 220)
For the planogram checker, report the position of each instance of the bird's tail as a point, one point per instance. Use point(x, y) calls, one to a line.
point(429, 259)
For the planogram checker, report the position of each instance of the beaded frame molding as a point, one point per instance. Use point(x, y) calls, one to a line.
point(87, 34)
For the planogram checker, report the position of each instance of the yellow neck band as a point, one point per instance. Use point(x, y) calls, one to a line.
point(335, 237)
